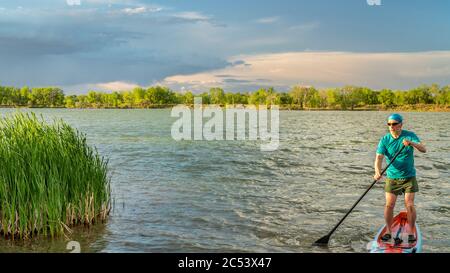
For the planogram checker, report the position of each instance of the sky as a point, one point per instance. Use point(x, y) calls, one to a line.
point(112, 45)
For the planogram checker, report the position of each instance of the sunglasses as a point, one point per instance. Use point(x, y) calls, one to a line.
point(393, 124)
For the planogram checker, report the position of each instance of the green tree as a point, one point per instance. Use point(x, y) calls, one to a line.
point(188, 98)
point(312, 98)
point(332, 97)
point(217, 95)
point(386, 97)
point(138, 96)
point(272, 97)
point(94, 99)
point(55, 97)
point(285, 99)
point(418, 95)
point(128, 99)
point(317, 100)
point(435, 92)
point(443, 97)
point(70, 101)
point(24, 95)
point(259, 97)
point(350, 96)
point(241, 98)
point(301, 95)
point(160, 95)
point(229, 98)
point(399, 97)
point(36, 97)
point(206, 98)
point(323, 98)
point(369, 97)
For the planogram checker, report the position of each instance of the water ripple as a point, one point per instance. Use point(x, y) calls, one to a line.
point(228, 196)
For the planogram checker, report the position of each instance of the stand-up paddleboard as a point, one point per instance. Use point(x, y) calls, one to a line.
point(399, 241)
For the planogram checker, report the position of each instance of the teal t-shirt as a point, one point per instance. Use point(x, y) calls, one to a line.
point(403, 166)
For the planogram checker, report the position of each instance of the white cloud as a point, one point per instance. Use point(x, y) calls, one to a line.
point(73, 2)
point(268, 20)
point(109, 1)
point(135, 10)
point(192, 15)
point(325, 69)
point(140, 10)
point(114, 86)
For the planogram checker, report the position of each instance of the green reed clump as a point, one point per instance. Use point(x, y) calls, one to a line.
point(50, 179)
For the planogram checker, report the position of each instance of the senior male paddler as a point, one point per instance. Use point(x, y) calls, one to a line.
point(401, 175)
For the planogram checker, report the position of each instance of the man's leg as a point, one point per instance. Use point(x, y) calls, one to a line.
point(389, 210)
point(409, 204)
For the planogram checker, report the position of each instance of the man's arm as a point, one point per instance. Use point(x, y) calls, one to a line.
point(378, 161)
point(419, 146)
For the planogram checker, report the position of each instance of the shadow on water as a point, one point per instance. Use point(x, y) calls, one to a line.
point(89, 239)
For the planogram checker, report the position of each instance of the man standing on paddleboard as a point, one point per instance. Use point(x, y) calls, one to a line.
point(401, 175)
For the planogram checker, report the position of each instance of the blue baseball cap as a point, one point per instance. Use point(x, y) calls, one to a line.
point(396, 117)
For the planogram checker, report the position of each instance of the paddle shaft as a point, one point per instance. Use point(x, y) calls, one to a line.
point(368, 189)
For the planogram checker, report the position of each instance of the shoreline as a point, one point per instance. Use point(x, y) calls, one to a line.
point(379, 108)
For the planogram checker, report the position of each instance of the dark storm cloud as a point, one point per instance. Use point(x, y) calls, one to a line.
point(49, 42)
point(61, 41)
point(92, 46)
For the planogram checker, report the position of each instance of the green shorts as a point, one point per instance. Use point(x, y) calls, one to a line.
point(401, 185)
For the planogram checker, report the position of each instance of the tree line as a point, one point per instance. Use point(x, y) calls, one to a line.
point(300, 97)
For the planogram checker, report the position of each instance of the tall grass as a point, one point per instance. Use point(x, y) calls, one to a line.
point(50, 179)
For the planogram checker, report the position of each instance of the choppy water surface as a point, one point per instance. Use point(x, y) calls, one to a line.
point(228, 196)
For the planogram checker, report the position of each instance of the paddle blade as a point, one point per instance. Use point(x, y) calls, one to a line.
point(322, 241)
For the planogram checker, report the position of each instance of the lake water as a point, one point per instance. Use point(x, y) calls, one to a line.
point(229, 196)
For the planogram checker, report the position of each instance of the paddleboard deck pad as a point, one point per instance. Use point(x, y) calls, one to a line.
point(399, 241)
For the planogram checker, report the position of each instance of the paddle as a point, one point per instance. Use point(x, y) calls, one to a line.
point(324, 240)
